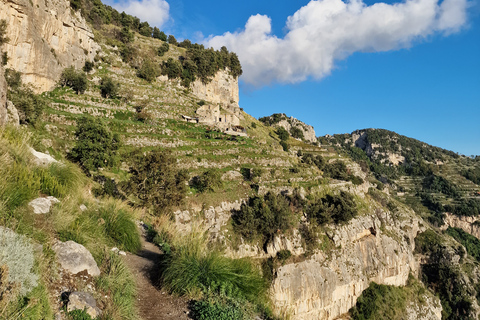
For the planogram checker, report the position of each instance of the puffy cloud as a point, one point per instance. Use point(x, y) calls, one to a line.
point(156, 12)
point(325, 31)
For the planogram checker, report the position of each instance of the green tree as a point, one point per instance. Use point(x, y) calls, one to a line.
point(157, 182)
point(145, 29)
point(156, 33)
point(163, 49)
point(126, 36)
point(172, 68)
point(109, 88)
point(148, 71)
point(77, 80)
point(96, 145)
point(171, 39)
point(210, 180)
point(282, 133)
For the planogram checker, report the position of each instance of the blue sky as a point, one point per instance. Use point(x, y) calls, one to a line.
point(412, 67)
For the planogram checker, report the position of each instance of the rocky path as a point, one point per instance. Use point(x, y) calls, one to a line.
point(153, 303)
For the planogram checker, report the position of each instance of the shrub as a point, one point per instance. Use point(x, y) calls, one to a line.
point(333, 208)
point(263, 216)
point(157, 34)
point(96, 144)
point(77, 80)
point(156, 181)
point(163, 49)
point(30, 106)
point(311, 159)
point(88, 66)
point(216, 308)
point(128, 53)
point(210, 180)
point(171, 39)
point(282, 133)
point(14, 78)
point(125, 35)
point(296, 132)
point(78, 315)
point(13, 246)
point(471, 243)
point(284, 145)
point(3, 31)
point(109, 88)
point(148, 71)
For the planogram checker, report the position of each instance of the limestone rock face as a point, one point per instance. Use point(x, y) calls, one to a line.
point(42, 205)
point(83, 301)
point(222, 89)
point(3, 97)
point(467, 224)
point(369, 248)
point(430, 309)
point(45, 37)
point(308, 131)
point(75, 258)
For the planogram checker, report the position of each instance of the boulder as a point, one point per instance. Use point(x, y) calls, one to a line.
point(74, 258)
point(79, 300)
point(42, 159)
point(42, 205)
point(12, 114)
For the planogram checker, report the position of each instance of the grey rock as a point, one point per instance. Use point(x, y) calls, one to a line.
point(42, 159)
point(12, 114)
point(42, 205)
point(79, 300)
point(83, 207)
point(74, 258)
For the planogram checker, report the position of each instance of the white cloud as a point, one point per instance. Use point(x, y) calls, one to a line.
point(325, 31)
point(156, 12)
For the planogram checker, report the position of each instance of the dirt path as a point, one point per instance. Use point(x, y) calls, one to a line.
point(153, 303)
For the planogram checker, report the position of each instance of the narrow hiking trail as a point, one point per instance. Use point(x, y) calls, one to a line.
point(153, 303)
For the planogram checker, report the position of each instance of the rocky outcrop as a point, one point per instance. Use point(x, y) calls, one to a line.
point(370, 248)
point(307, 130)
point(74, 258)
point(83, 301)
point(428, 309)
point(222, 89)
point(468, 224)
point(45, 37)
point(13, 117)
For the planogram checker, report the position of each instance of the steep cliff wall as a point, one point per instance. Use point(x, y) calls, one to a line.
point(3, 97)
point(222, 89)
point(45, 37)
point(467, 224)
point(371, 248)
point(307, 130)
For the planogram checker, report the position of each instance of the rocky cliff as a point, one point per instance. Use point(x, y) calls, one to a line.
point(307, 130)
point(370, 248)
point(468, 224)
point(222, 89)
point(3, 97)
point(45, 37)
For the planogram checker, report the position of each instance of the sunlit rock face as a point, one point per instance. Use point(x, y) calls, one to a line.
point(45, 37)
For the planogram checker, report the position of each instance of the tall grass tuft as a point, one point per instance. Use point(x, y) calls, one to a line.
point(118, 282)
point(120, 227)
point(192, 267)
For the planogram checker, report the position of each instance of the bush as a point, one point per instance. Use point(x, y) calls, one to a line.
point(96, 145)
point(284, 145)
point(163, 49)
point(3, 31)
point(471, 243)
point(296, 132)
point(171, 39)
point(216, 308)
point(21, 277)
point(333, 208)
point(210, 180)
point(78, 315)
point(282, 133)
point(263, 216)
point(30, 106)
point(77, 80)
point(109, 88)
point(88, 66)
point(156, 181)
point(148, 71)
